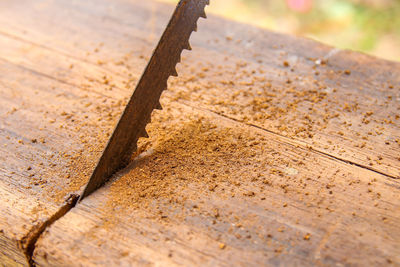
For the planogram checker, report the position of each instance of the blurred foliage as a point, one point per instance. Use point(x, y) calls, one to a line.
point(371, 26)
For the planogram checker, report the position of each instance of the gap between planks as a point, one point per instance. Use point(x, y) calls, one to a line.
point(22, 40)
point(44, 75)
point(291, 141)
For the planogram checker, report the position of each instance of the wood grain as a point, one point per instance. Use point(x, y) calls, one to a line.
point(212, 192)
point(66, 70)
point(352, 117)
point(47, 112)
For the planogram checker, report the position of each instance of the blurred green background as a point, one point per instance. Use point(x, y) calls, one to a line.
point(370, 26)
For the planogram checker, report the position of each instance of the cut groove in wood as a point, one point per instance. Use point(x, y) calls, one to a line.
point(33, 236)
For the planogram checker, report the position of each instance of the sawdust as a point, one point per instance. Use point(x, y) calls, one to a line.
point(190, 153)
point(297, 104)
point(233, 178)
point(82, 162)
point(195, 165)
point(195, 168)
point(72, 167)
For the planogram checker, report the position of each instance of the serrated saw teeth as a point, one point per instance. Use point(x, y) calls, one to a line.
point(203, 14)
point(187, 46)
point(174, 73)
point(148, 120)
point(146, 97)
point(144, 134)
point(158, 106)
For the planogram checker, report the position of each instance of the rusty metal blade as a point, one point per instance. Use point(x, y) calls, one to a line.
point(132, 124)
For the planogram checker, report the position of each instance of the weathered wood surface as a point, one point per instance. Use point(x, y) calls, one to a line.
point(313, 130)
point(212, 192)
point(48, 118)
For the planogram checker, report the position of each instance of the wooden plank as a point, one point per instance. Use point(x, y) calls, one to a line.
point(23, 217)
point(47, 112)
point(209, 191)
point(309, 98)
point(38, 150)
point(51, 101)
point(65, 65)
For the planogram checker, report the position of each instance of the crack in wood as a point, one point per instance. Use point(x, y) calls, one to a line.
point(33, 236)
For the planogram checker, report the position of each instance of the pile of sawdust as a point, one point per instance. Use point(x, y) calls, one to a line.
point(196, 155)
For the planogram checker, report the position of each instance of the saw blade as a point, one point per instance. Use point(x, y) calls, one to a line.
point(146, 97)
